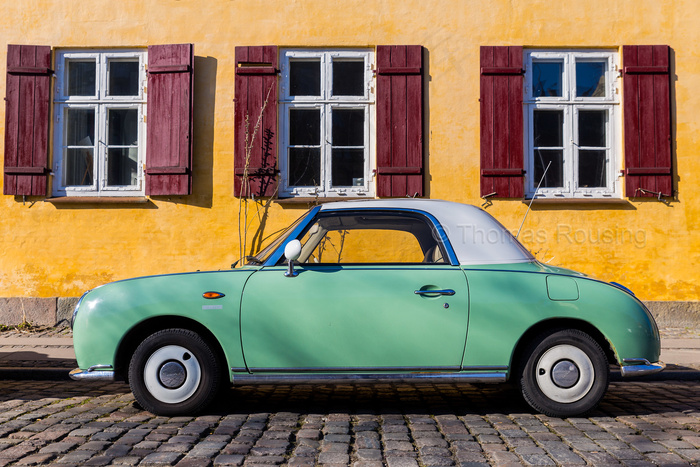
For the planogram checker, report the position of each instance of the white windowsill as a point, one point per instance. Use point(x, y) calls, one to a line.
point(319, 200)
point(98, 200)
point(575, 201)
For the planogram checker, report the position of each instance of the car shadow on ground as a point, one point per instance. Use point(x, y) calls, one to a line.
point(434, 399)
point(622, 399)
point(21, 358)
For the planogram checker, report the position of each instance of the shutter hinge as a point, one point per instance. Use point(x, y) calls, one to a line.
point(658, 194)
point(487, 199)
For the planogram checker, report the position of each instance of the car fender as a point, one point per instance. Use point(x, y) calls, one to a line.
point(108, 314)
point(506, 305)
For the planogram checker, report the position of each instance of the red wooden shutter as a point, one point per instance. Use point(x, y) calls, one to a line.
point(256, 104)
point(27, 120)
point(169, 122)
point(399, 120)
point(501, 102)
point(647, 120)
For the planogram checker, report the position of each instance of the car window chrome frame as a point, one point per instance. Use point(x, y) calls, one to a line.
point(313, 214)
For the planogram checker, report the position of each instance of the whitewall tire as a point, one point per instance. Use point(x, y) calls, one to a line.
point(174, 371)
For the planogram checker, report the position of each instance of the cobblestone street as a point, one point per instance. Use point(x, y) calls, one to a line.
point(69, 423)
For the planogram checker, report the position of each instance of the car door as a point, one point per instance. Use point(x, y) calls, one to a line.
point(374, 292)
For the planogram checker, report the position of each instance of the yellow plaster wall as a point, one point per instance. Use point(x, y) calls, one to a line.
point(48, 250)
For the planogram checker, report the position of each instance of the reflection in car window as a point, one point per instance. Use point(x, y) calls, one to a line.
point(365, 238)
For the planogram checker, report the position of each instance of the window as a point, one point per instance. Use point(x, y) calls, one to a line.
point(99, 121)
point(572, 124)
point(580, 89)
point(349, 122)
point(327, 116)
point(364, 238)
point(99, 138)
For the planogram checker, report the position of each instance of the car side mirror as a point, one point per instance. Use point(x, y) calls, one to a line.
point(292, 251)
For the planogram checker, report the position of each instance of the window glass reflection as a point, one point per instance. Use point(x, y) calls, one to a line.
point(305, 77)
point(590, 79)
point(547, 78)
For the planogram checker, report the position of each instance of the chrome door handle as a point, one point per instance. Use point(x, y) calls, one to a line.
point(434, 292)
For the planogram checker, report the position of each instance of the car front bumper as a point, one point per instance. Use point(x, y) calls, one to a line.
point(640, 367)
point(94, 373)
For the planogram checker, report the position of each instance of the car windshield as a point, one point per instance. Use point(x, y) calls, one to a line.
point(262, 256)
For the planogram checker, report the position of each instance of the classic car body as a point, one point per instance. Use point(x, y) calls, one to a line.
point(409, 290)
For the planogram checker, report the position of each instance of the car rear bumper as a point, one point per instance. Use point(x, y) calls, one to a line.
point(640, 367)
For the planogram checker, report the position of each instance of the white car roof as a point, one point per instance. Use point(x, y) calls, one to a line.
point(476, 236)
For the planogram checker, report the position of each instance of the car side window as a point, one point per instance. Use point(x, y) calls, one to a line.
point(371, 238)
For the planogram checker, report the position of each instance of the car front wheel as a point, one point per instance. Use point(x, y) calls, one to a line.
point(566, 373)
point(174, 371)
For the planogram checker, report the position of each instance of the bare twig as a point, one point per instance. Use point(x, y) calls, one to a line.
point(246, 192)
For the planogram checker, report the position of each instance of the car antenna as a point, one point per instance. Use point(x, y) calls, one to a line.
point(533, 199)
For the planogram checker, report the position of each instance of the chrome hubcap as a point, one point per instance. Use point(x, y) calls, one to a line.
point(565, 374)
point(172, 375)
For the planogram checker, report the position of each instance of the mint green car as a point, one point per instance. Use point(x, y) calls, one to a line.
point(366, 292)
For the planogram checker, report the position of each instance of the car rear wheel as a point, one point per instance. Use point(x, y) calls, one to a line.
point(565, 373)
point(174, 371)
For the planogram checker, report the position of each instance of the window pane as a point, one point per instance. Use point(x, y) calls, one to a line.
point(349, 239)
point(348, 78)
point(124, 78)
point(304, 166)
point(348, 127)
point(305, 77)
point(548, 128)
point(590, 79)
point(555, 174)
point(122, 165)
point(348, 167)
point(305, 127)
point(123, 127)
point(81, 77)
point(547, 79)
point(591, 128)
point(350, 247)
point(80, 131)
point(80, 127)
point(591, 168)
point(78, 167)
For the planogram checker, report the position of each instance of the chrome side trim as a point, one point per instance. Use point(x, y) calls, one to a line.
point(369, 369)
point(240, 380)
point(640, 367)
point(94, 375)
point(361, 369)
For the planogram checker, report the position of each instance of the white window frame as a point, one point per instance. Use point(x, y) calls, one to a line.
point(326, 102)
point(571, 105)
point(101, 102)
